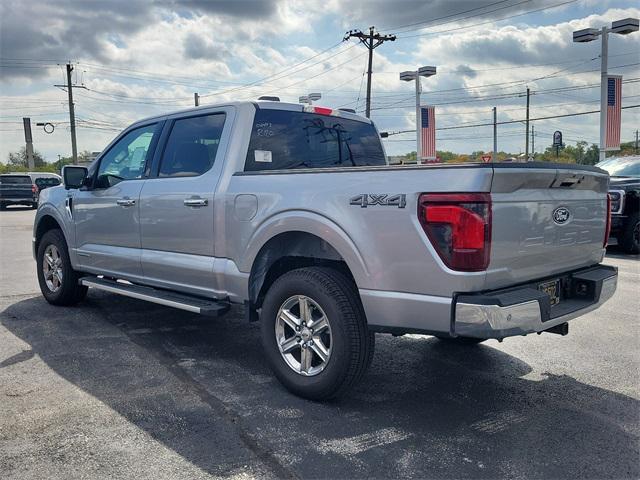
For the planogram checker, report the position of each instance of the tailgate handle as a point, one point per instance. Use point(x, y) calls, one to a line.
point(567, 182)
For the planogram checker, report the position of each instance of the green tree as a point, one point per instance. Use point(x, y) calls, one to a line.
point(19, 159)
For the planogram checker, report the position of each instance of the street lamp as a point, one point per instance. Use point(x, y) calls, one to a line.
point(310, 98)
point(621, 27)
point(408, 77)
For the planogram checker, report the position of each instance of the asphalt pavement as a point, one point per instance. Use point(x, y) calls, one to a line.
point(121, 388)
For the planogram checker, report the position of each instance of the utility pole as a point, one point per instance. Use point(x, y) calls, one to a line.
point(636, 142)
point(72, 116)
point(533, 141)
point(28, 139)
point(495, 134)
point(526, 148)
point(72, 113)
point(196, 99)
point(371, 41)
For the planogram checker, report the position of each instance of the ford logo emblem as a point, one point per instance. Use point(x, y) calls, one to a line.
point(561, 215)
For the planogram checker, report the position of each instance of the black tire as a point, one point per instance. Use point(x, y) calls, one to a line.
point(3, 206)
point(352, 345)
point(629, 238)
point(69, 292)
point(34, 205)
point(468, 341)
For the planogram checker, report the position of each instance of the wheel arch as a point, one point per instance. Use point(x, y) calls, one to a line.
point(44, 224)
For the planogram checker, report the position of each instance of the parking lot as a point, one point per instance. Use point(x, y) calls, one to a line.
point(120, 388)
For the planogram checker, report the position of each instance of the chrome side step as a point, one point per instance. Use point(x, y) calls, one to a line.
point(189, 303)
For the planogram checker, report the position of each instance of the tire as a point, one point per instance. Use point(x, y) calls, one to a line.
point(57, 292)
point(333, 296)
point(3, 206)
point(467, 341)
point(34, 205)
point(629, 240)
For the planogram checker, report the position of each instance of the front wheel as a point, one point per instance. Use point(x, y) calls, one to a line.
point(58, 280)
point(314, 333)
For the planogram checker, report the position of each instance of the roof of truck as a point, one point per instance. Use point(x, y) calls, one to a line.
point(266, 104)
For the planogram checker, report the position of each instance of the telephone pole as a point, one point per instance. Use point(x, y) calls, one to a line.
point(495, 134)
point(196, 99)
point(636, 142)
point(72, 114)
point(526, 148)
point(371, 41)
point(533, 141)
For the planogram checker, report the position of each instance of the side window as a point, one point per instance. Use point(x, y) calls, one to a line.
point(192, 146)
point(284, 140)
point(127, 158)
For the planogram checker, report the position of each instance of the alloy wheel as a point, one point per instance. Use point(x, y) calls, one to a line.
point(303, 335)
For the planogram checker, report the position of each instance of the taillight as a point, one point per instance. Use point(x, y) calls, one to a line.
point(459, 228)
point(34, 188)
point(607, 229)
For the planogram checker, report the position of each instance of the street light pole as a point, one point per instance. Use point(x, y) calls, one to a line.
point(415, 75)
point(418, 120)
point(604, 54)
point(621, 27)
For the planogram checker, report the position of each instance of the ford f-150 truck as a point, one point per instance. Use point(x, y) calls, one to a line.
point(294, 213)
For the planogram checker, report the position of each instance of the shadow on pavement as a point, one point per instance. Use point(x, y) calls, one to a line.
point(425, 409)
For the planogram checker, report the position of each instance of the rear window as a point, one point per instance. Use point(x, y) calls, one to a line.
point(15, 180)
point(282, 140)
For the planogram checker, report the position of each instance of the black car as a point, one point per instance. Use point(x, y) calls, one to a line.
point(18, 189)
point(624, 189)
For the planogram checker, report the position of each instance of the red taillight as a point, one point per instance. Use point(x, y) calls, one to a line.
point(34, 188)
point(607, 229)
point(322, 110)
point(459, 227)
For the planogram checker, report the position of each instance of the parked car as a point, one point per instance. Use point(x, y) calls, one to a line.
point(624, 189)
point(45, 180)
point(18, 189)
point(293, 212)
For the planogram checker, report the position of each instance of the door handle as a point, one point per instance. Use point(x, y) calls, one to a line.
point(126, 202)
point(196, 202)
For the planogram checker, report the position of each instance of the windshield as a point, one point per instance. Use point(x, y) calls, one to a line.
point(15, 180)
point(622, 167)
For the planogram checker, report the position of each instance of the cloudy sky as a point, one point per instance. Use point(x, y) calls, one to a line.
point(137, 59)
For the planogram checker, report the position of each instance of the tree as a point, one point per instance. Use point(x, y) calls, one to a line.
point(19, 159)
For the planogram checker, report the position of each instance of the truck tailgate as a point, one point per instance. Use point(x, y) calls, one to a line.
point(546, 220)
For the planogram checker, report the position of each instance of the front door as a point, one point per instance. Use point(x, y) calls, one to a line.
point(107, 216)
point(176, 207)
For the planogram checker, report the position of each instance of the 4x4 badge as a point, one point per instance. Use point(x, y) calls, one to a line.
point(366, 199)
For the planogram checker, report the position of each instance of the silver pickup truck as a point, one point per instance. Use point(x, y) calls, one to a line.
point(293, 213)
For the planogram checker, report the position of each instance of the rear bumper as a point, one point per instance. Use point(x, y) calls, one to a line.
point(523, 310)
point(491, 314)
point(18, 201)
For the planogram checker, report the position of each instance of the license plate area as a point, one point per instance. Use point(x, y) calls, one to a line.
point(551, 288)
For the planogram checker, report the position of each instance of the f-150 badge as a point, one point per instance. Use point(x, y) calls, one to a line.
point(370, 199)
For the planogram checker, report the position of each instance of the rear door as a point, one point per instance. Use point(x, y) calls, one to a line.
point(546, 220)
point(177, 204)
point(107, 217)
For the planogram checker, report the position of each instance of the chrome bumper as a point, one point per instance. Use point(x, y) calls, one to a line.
point(483, 316)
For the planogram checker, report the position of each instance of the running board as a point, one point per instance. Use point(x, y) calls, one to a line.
point(203, 306)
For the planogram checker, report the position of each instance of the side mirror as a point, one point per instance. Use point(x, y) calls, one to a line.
point(74, 176)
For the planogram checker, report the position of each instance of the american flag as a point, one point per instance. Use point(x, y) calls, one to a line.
point(428, 133)
point(614, 100)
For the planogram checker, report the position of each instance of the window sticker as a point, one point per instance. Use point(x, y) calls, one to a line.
point(263, 156)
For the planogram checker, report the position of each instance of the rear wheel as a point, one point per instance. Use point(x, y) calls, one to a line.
point(314, 333)
point(630, 238)
point(34, 205)
point(3, 206)
point(58, 280)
